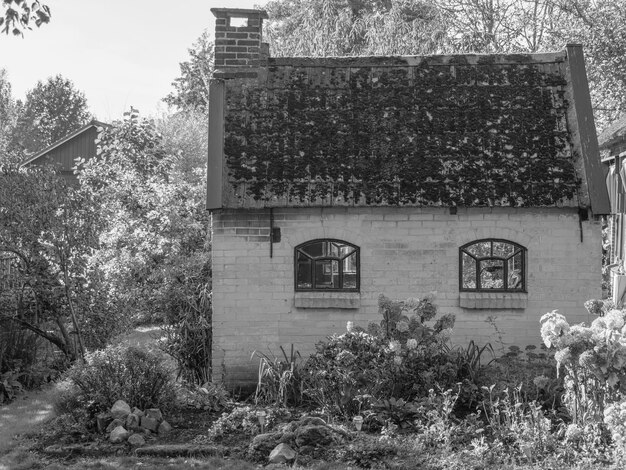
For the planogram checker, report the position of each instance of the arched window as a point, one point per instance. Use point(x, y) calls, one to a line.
point(492, 265)
point(327, 265)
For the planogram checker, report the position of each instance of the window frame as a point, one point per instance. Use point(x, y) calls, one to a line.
point(517, 249)
point(298, 249)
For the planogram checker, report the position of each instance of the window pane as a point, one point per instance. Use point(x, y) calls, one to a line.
point(345, 250)
point(468, 271)
point(349, 272)
point(480, 250)
point(503, 249)
point(492, 274)
point(327, 274)
point(515, 272)
point(303, 272)
point(314, 250)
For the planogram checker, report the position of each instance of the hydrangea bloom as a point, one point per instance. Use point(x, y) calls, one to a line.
point(349, 326)
point(614, 320)
point(541, 381)
point(394, 346)
point(553, 325)
point(411, 343)
point(402, 326)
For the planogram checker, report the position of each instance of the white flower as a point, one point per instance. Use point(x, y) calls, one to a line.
point(598, 324)
point(349, 326)
point(397, 360)
point(411, 343)
point(394, 346)
point(541, 381)
point(573, 432)
point(402, 326)
point(614, 320)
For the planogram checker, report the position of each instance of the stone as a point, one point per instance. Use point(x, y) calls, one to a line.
point(136, 440)
point(306, 420)
point(132, 421)
point(138, 412)
point(102, 421)
point(264, 443)
point(150, 424)
point(119, 434)
point(120, 409)
point(282, 453)
point(154, 413)
point(113, 424)
point(288, 438)
point(164, 428)
point(313, 435)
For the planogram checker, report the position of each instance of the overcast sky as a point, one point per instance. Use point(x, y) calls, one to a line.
point(118, 52)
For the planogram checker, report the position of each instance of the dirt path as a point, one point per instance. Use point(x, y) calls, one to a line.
point(25, 414)
point(31, 410)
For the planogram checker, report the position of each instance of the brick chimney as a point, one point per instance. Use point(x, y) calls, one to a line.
point(239, 51)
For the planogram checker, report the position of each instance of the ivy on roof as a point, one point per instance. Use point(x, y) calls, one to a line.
point(463, 134)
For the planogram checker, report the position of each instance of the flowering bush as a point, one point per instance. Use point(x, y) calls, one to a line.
point(615, 420)
point(594, 359)
point(401, 357)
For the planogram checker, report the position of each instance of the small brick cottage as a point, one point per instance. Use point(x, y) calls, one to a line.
point(333, 180)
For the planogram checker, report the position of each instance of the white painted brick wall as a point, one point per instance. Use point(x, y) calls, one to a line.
point(405, 252)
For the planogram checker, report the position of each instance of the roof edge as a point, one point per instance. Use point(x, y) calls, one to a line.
point(41, 153)
point(413, 60)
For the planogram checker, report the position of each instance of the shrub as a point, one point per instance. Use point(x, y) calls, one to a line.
point(123, 373)
point(594, 359)
point(280, 379)
point(402, 357)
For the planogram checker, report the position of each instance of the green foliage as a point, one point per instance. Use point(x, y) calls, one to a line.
point(244, 420)
point(49, 230)
point(188, 329)
point(403, 357)
point(22, 14)
point(206, 397)
point(10, 385)
point(153, 221)
point(52, 110)
point(366, 136)
point(192, 87)
point(513, 420)
point(280, 379)
point(123, 373)
point(594, 359)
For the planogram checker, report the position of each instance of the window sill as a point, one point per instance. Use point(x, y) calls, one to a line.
point(504, 300)
point(344, 300)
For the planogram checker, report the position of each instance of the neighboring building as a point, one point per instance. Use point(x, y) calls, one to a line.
point(333, 180)
point(613, 143)
point(80, 143)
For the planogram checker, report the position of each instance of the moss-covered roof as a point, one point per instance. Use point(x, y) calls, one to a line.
point(468, 130)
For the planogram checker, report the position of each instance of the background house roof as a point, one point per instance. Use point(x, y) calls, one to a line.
point(45, 151)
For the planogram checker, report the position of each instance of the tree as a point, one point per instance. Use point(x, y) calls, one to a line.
point(151, 212)
point(21, 14)
point(186, 137)
point(192, 87)
point(8, 119)
point(51, 111)
point(48, 229)
point(153, 253)
point(600, 25)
